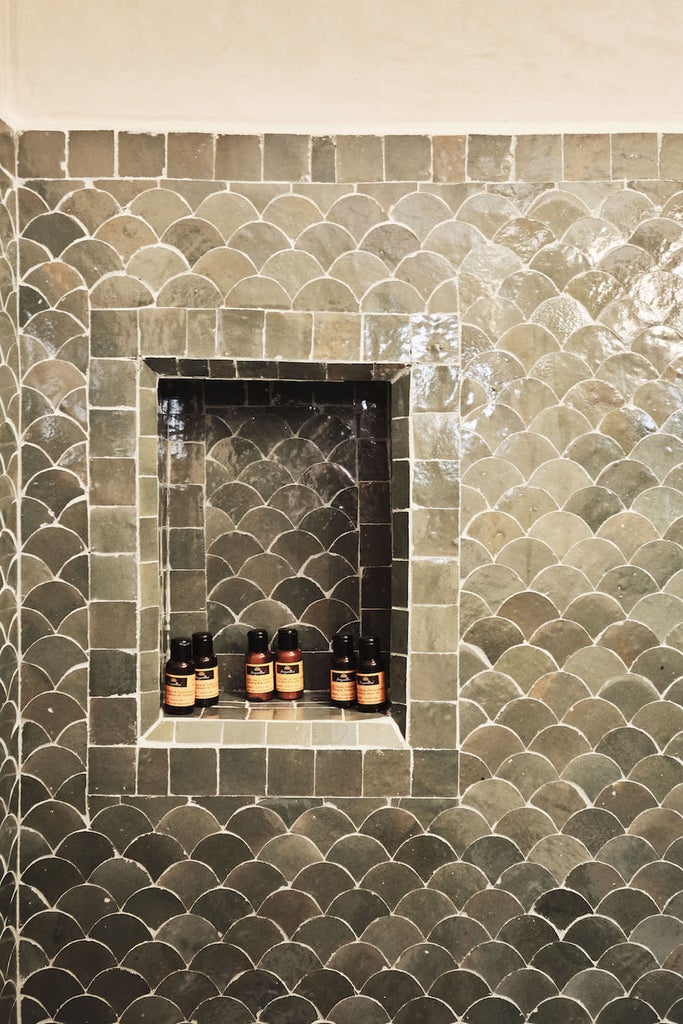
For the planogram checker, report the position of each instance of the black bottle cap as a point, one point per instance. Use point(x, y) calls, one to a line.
point(257, 641)
point(368, 647)
point(287, 639)
point(342, 645)
point(181, 648)
point(202, 645)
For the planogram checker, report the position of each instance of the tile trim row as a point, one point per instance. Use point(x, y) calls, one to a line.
point(350, 158)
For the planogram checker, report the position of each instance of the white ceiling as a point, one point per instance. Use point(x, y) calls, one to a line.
point(344, 66)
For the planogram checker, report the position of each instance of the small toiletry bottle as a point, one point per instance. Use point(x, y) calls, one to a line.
point(258, 666)
point(205, 670)
point(179, 678)
point(289, 665)
point(342, 672)
point(371, 684)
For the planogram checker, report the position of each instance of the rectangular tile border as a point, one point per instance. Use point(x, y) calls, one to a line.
point(435, 159)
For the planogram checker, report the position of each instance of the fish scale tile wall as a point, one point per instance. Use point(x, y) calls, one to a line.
point(534, 284)
point(9, 548)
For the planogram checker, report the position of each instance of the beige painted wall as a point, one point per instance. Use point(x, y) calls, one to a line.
point(344, 65)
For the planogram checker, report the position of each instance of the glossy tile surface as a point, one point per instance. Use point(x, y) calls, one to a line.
point(9, 603)
point(520, 858)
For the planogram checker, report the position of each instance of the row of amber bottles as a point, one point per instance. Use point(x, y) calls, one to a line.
point(363, 684)
point(267, 676)
point(282, 675)
point(191, 675)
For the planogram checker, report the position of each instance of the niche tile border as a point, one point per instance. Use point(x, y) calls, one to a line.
point(126, 728)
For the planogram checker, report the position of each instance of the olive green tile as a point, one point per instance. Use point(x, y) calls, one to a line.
point(109, 619)
point(433, 677)
point(432, 725)
point(242, 771)
point(91, 154)
point(112, 433)
point(141, 155)
point(113, 529)
point(338, 772)
point(286, 157)
point(336, 337)
point(114, 332)
point(671, 156)
point(407, 158)
point(386, 338)
point(435, 389)
point(112, 382)
point(163, 332)
point(41, 154)
point(240, 333)
point(113, 720)
point(433, 628)
point(538, 158)
point(435, 773)
point(634, 155)
point(435, 532)
point(113, 577)
point(189, 155)
point(449, 153)
point(288, 335)
point(435, 338)
point(201, 332)
point(152, 775)
point(586, 157)
point(291, 772)
point(489, 158)
point(436, 484)
point(386, 773)
point(111, 770)
point(238, 157)
point(112, 672)
point(359, 158)
point(193, 771)
point(323, 152)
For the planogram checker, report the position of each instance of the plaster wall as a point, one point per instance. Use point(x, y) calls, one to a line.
point(321, 66)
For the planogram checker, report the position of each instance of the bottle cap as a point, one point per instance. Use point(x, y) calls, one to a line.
point(368, 647)
point(287, 639)
point(181, 648)
point(342, 645)
point(202, 645)
point(257, 641)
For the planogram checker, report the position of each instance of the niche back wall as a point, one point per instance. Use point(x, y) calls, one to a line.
point(534, 819)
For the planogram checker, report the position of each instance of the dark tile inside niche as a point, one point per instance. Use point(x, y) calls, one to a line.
point(272, 513)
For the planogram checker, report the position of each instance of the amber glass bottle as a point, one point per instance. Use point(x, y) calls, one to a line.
point(289, 666)
point(205, 670)
point(342, 672)
point(258, 666)
point(371, 683)
point(179, 678)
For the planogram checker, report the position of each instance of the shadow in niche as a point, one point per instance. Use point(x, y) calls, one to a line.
point(275, 510)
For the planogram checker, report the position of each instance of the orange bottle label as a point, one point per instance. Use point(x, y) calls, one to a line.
point(259, 678)
point(206, 682)
point(179, 691)
point(371, 687)
point(342, 684)
point(289, 676)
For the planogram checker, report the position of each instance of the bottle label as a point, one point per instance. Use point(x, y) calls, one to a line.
point(371, 687)
point(259, 678)
point(289, 676)
point(206, 682)
point(179, 691)
point(342, 684)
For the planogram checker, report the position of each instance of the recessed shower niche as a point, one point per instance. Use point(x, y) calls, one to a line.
point(282, 504)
